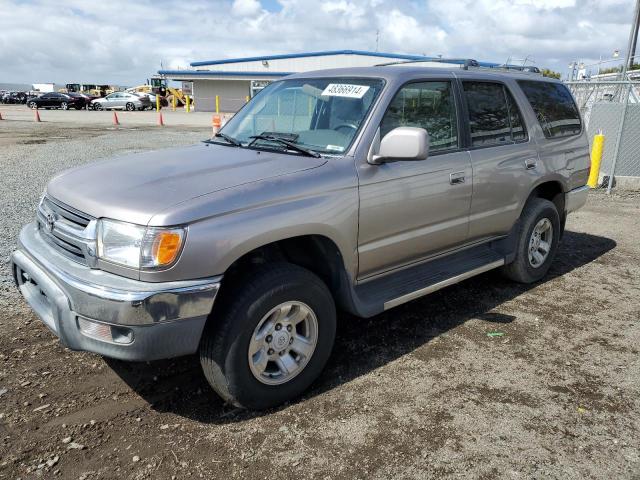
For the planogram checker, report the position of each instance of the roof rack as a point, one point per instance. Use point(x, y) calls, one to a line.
point(464, 63)
point(518, 68)
point(467, 63)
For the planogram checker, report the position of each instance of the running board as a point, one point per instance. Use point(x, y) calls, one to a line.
point(444, 283)
point(374, 296)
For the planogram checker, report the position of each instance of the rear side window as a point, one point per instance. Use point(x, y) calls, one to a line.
point(428, 105)
point(554, 107)
point(494, 118)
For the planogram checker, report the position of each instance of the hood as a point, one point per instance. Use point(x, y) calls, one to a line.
point(133, 188)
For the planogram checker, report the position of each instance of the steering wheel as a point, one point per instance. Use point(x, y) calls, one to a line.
point(346, 125)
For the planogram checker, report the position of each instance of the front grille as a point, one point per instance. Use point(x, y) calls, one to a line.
point(67, 214)
point(66, 229)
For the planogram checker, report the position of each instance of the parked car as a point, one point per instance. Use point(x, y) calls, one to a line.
point(14, 97)
point(122, 100)
point(350, 189)
point(64, 101)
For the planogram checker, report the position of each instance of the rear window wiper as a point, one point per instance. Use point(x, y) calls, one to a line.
point(286, 143)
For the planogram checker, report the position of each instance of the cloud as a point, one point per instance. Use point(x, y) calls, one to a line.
point(124, 43)
point(245, 7)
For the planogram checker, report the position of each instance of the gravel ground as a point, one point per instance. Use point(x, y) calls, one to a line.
point(421, 391)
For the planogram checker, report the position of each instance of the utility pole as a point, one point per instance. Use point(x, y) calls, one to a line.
point(378, 37)
point(633, 40)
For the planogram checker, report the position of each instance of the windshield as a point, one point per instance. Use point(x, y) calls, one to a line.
point(320, 114)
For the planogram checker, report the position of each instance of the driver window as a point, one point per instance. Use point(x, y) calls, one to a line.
point(428, 105)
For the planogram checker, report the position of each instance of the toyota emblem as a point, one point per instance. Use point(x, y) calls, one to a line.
point(51, 222)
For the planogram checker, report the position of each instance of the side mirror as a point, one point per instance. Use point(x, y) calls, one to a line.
point(402, 143)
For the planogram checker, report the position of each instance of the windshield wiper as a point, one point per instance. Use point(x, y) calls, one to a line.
point(287, 143)
point(227, 138)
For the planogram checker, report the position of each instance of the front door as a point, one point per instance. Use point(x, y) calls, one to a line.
point(410, 210)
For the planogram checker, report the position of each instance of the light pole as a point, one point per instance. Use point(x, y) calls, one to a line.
point(633, 40)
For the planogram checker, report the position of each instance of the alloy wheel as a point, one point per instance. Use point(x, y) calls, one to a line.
point(540, 242)
point(283, 342)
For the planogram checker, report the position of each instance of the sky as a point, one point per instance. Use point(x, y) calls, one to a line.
point(124, 42)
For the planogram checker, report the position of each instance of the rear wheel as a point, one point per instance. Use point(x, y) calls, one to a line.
point(539, 232)
point(271, 339)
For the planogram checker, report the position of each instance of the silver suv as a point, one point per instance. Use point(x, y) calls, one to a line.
point(354, 189)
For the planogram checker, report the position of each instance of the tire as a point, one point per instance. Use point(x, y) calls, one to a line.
point(224, 348)
point(33, 105)
point(98, 106)
point(130, 107)
point(537, 215)
point(64, 106)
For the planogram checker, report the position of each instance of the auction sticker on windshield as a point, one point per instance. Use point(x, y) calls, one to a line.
point(345, 90)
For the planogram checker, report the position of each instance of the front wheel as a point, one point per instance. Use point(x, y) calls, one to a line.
point(97, 106)
point(539, 232)
point(130, 107)
point(64, 106)
point(271, 337)
point(33, 105)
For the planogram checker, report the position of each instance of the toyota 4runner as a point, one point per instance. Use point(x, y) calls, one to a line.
point(353, 189)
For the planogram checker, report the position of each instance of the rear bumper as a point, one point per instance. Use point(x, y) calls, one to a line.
point(576, 198)
point(103, 313)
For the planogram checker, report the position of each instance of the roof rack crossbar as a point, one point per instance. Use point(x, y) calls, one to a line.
point(465, 63)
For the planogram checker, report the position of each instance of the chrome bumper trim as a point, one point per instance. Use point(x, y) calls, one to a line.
point(576, 198)
point(110, 298)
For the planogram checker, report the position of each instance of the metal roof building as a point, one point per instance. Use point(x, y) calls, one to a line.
point(232, 81)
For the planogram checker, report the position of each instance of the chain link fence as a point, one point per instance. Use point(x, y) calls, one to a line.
point(612, 106)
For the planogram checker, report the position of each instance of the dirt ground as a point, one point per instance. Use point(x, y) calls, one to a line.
point(485, 379)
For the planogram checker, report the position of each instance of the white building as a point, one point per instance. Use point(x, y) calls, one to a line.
point(233, 81)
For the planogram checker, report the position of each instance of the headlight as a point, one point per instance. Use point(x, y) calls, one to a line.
point(137, 246)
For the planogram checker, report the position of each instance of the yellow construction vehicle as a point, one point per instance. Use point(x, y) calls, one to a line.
point(159, 86)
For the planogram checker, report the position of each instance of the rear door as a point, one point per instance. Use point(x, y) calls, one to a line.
point(410, 210)
point(503, 157)
point(563, 147)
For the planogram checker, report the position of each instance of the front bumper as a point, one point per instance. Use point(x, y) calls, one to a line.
point(576, 198)
point(104, 313)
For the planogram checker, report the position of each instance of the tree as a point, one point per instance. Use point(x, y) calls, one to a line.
point(618, 69)
point(550, 73)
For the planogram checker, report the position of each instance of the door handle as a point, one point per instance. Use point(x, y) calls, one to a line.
point(530, 163)
point(456, 178)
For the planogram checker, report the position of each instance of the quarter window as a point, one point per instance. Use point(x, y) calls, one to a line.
point(554, 107)
point(494, 118)
point(428, 105)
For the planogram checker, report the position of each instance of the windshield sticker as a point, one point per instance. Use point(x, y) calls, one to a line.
point(345, 90)
point(335, 148)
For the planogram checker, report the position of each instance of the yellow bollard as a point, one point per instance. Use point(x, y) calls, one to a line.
point(157, 103)
point(173, 103)
point(596, 159)
point(247, 99)
point(188, 103)
point(217, 104)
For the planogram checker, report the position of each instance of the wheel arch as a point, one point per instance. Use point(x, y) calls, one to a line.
point(552, 190)
point(315, 252)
